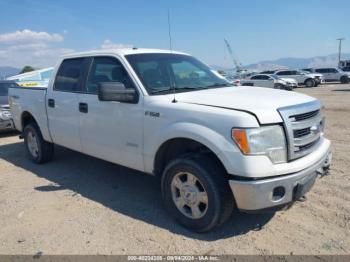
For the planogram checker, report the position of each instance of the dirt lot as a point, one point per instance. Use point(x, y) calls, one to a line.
point(80, 205)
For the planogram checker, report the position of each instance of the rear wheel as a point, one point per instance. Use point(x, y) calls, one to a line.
point(344, 80)
point(38, 150)
point(310, 83)
point(196, 192)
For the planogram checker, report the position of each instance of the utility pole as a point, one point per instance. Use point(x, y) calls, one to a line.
point(339, 49)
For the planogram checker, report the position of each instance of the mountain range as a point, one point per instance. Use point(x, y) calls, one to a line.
point(281, 63)
point(293, 62)
point(6, 71)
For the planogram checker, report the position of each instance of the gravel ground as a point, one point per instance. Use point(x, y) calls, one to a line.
point(77, 204)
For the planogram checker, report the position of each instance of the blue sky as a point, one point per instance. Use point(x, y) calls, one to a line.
point(257, 30)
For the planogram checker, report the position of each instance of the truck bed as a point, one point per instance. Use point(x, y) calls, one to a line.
point(23, 100)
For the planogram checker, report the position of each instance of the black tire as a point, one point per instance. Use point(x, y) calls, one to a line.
point(44, 149)
point(214, 179)
point(310, 82)
point(344, 80)
point(279, 86)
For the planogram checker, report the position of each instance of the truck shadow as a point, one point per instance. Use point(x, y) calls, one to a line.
point(121, 189)
point(8, 133)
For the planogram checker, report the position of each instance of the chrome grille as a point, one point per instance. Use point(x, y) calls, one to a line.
point(304, 125)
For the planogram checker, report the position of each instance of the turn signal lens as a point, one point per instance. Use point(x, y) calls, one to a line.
point(240, 137)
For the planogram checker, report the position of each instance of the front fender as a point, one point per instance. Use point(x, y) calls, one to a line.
point(215, 141)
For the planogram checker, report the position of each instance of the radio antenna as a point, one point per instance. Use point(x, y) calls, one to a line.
point(169, 31)
point(171, 49)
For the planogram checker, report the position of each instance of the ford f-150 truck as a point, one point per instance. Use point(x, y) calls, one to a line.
point(215, 147)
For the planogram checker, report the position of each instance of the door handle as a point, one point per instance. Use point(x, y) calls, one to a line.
point(51, 102)
point(83, 107)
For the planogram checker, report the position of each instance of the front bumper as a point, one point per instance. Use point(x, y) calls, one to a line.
point(254, 195)
point(6, 125)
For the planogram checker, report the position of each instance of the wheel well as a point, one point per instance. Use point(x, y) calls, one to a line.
point(26, 119)
point(177, 147)
point(308, 79)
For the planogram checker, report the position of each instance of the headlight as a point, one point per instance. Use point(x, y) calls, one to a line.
point(267, 140)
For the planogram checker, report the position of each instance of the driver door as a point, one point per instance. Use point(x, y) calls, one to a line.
point(110, 130)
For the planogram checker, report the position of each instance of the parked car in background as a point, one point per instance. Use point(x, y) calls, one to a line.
point(319, 78)
point(271, 81)
point(302, 78)
point(332, 74)
point(6, 122)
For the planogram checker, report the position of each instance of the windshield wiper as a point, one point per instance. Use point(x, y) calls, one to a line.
point(154, 91)
point(218, 85)
point(187, 88)
point(173, 89)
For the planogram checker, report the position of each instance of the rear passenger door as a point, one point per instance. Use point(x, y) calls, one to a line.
point(325, 72)
point(62, 103)
point(110, 130)
point(297, 76)
point(334, 74)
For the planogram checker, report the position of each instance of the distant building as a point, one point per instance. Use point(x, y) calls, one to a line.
point(344, 63)
point(37, 78)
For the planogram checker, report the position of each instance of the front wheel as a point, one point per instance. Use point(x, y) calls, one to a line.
point(278, 86)
point(196, 192)
point(310, 83)
point(38, 150)
point(344, 80)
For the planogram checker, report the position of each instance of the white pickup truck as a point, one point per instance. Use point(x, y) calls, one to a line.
point(215, 147)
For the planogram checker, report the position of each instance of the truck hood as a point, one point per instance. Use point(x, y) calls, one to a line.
point(262, 102)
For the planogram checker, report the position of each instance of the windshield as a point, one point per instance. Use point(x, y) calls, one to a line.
point(274, 76)
point(166, 73)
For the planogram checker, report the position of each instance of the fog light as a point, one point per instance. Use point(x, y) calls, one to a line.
point(278, 193)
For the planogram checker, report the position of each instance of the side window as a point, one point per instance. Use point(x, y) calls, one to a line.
point(334, 70)
point(265, 78)
point(107, 69)
point(283, 73)
point(68, 77)
point(255, 77)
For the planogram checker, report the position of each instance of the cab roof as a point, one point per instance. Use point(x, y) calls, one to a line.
point(122, 52)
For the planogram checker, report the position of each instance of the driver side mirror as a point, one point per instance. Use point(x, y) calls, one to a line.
point(116, 91)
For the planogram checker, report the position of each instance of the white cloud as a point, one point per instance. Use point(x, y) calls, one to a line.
point(29, 36)
point(27, 47)
point(108, 44)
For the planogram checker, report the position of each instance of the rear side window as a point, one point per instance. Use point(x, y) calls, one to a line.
point(69, 75)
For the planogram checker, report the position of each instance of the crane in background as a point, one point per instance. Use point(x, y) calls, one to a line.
point(239, 67)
